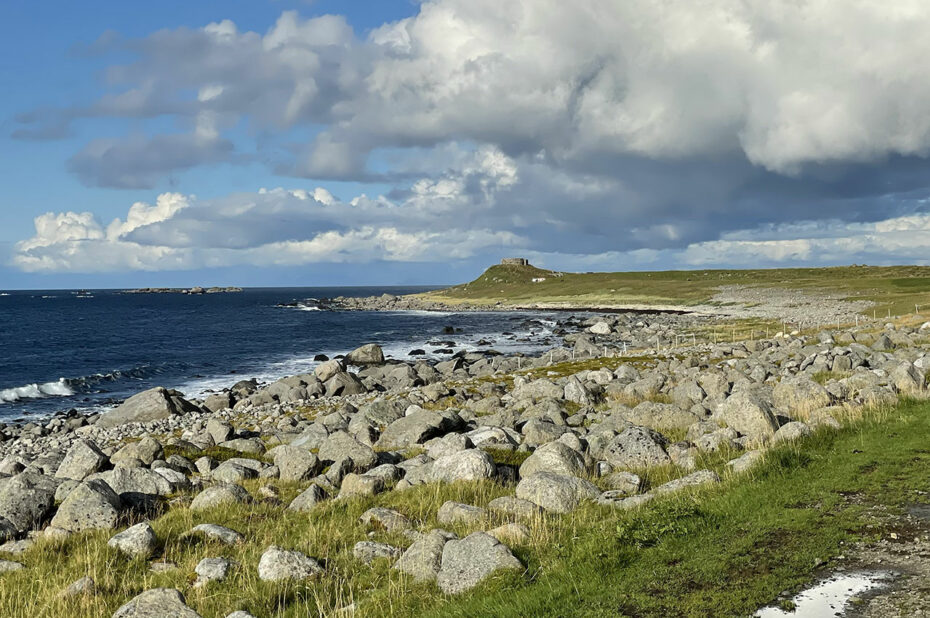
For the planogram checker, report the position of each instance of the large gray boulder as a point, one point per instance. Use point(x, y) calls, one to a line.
point(340, 445)
point(224, 493)
point(416, 428)
point(636, 447)
point(799, 394)
point(661, 416)
point(749, 412)
point(26, 500)
point(131, 483)
point(278, 564)
point(324, 371)
point(344, 383)
point(157, 603)
point(146, 450)
point(386, 519)
point(554, 457)
point(369, 551)
point(368, 354)
point(92, 505)
point(81, 460)
point(155, 404)
point(135, 541)
point(307, 499)
point(467, 465)
point(423, 559)
point(467, 562)
point(558, 493)
point(215, 532)
point(295, 463)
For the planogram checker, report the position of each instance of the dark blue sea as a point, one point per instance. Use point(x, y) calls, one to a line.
point(61, 350)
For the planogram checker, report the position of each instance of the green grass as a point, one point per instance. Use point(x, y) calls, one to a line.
point(894, 288)
point(719, 552)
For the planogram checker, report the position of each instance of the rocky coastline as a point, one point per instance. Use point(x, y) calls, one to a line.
point(622, 392)
point(196, 290)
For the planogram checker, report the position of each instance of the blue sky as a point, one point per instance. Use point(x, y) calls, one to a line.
point(394, 142)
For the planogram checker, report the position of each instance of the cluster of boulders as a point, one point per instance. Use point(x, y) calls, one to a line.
point(389, 426)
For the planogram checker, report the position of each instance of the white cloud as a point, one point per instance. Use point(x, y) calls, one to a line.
point(674, 132)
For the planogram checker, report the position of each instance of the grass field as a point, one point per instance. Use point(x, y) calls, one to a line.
point(719, 552)
point(894, 288)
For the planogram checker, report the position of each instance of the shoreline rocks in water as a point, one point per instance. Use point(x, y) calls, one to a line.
point(364, 425)
point(194, 290)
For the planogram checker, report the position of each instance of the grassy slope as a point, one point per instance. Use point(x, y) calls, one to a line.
point(721, 552)
point(897, 288)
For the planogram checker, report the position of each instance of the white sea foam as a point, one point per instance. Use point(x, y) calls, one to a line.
point(36, 391)
point(522, 341)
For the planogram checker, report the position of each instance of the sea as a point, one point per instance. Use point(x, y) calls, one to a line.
point(90, 349)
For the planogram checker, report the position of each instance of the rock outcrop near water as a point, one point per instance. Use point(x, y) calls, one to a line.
point(573, 426)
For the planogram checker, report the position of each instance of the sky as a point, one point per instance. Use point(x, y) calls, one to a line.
point(324, 142)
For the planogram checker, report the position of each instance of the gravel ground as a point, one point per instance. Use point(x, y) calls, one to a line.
point(794, 306)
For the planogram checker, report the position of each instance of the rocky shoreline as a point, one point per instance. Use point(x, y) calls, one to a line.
point(622, 393)
point(194, 290)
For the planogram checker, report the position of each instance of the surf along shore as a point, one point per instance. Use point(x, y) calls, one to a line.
point(649, 464)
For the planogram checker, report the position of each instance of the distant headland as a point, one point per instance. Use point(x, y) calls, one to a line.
point(193, 290)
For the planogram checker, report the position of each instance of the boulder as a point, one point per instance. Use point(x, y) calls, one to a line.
point(517, 507)
point(232, 472)
point(369, 551)
point(278, 564)
point(423, 559)
point(355, 485)
point(558, 493)
point(467, 562)
point(745, 461)
point(636, 447)
point(220, 430)
point(307, 499)
point(467, 465)
point(212, 570)
point(386, 519)
point(554, 457)
point(695, 479)
point(340, 445)
point(368, 354)
point(157, 603)
point(81, 460)
point(455, 512)
point(750, 413)
point(154, 404)
point(295, 463)
point(84, 586)
point(92, 505)
point(133, 483)
point(799, 394)
point(416, 428)
point(249, 446)
point(26, 500)
point(138, 540)
point(145, 450)
point(344, 384)
point(324, 371)
point(790, 432)
point(224, 493)
point(511, 533)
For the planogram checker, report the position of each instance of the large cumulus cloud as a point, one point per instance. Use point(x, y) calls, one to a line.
point(633, 131)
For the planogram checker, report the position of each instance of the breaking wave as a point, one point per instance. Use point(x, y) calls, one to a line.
point(61, 388)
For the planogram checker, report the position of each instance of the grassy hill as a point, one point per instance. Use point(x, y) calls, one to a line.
point(898, 288)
